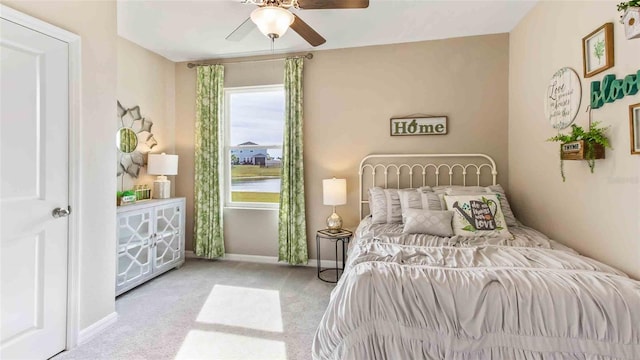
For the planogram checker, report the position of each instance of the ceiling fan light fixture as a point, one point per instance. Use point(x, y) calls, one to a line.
point(272, 21)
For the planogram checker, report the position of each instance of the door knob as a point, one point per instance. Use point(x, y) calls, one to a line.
point(60, 212)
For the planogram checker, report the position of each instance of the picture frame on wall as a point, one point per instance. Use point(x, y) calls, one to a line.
point(634, 128)
point(597, 50)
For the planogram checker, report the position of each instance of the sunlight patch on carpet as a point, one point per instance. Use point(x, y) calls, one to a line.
point(244, 307)
point(216, 345)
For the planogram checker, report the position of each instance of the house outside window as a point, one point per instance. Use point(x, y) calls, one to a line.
point(252, 144)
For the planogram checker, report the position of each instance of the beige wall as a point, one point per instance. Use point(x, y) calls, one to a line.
point(148, 80)
point(350, 95)
point(95, 22)
point(597, 214)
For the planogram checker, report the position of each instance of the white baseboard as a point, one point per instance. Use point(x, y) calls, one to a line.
point(92, 330)
point(264, 259)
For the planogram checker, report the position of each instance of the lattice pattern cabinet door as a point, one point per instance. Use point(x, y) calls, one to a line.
point(134, 244)
point(169, 237)
point(150, 240)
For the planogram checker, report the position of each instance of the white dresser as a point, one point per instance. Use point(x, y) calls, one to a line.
point(150, 239)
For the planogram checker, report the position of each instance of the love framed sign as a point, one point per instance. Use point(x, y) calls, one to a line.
point(426, 125)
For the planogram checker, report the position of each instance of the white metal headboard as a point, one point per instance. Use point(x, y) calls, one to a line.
point(399, 171)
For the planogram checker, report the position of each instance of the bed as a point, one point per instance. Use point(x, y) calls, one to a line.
point(424, 296)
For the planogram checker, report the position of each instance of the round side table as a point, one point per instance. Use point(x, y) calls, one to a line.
point(343, 236)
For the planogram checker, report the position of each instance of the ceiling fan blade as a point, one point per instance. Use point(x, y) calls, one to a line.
point(333, 4)
point(303, 29)
point(241, 31)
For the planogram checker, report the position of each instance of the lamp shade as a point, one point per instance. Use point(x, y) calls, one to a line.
point(272, 21)
point(162, 164)
point(334, 191)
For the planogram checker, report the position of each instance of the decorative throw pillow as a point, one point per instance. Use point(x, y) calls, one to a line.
point(384, 205)
point(509, 217)
point(477, 215)
point(496, 189)
point(432, 222)
point(422, 198)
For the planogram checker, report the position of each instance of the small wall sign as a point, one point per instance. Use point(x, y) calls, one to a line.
point(572, 147)
point(611, 89)
point(432, 125)
point(564, 94)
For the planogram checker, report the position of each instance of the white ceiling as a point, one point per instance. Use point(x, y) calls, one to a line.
point(196, 30)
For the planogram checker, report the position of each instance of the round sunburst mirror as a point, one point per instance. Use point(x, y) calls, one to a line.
point(133, 140)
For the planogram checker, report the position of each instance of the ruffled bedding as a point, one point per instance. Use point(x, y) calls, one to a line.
point(417, 296)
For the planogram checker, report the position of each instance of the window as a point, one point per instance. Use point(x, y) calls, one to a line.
point(254, 123)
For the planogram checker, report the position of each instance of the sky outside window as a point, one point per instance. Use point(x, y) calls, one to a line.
point(257, 117)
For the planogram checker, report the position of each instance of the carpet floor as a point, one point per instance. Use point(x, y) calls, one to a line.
point(215, 310)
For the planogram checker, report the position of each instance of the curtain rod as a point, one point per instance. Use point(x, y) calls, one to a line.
point(306, 56)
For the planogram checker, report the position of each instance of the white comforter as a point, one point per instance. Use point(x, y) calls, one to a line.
point(427, 297)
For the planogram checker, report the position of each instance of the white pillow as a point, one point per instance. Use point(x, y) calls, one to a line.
point(474, 190)
point(432, 222)
point(477, 215)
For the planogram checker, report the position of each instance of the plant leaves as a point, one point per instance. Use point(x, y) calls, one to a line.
point(469, 228)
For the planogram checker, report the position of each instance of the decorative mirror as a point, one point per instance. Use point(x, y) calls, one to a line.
point(133, 140)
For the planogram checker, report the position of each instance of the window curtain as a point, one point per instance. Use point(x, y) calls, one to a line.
point(292, 228)
point(209, 242)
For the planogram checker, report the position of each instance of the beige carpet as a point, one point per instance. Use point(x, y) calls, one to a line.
point(215, 310)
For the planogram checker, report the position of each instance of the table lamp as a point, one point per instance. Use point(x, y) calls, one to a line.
point(162, 165)
point(334, 192)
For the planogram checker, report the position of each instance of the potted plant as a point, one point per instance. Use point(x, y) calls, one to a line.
point(630, 18)
point(582, 145)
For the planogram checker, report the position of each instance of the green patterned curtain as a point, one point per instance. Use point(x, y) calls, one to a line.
point(207, 233)
point(292, 228)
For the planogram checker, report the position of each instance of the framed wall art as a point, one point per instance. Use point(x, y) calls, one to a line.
point(634, 128)
point(597, 50)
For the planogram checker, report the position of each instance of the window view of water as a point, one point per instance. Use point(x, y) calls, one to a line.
point(256, 185)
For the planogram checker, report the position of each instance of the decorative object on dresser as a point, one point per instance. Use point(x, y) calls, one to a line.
point(133, 140)
point(597, 50)
point(582, 145)
point(424, 125)
point(634, 128)
point(564, 94)
point(334, 192)
point(150, 241)
point(630, 18)
point(126, 197)
point(162, 165)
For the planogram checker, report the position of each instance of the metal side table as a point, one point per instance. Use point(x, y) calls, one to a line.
point(343, 236)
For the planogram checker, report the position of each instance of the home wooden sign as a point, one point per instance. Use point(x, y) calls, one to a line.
point(431, 125)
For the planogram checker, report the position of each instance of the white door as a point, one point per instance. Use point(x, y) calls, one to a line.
point(34, 181)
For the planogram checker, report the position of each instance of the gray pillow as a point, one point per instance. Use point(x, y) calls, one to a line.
point(384, 205)
point(509, 217)
point(422, 198)
point(432, 222)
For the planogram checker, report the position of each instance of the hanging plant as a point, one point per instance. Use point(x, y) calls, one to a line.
point(623, 6)
point(582, 145)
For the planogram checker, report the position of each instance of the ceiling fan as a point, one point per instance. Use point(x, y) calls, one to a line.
point(273, 18)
